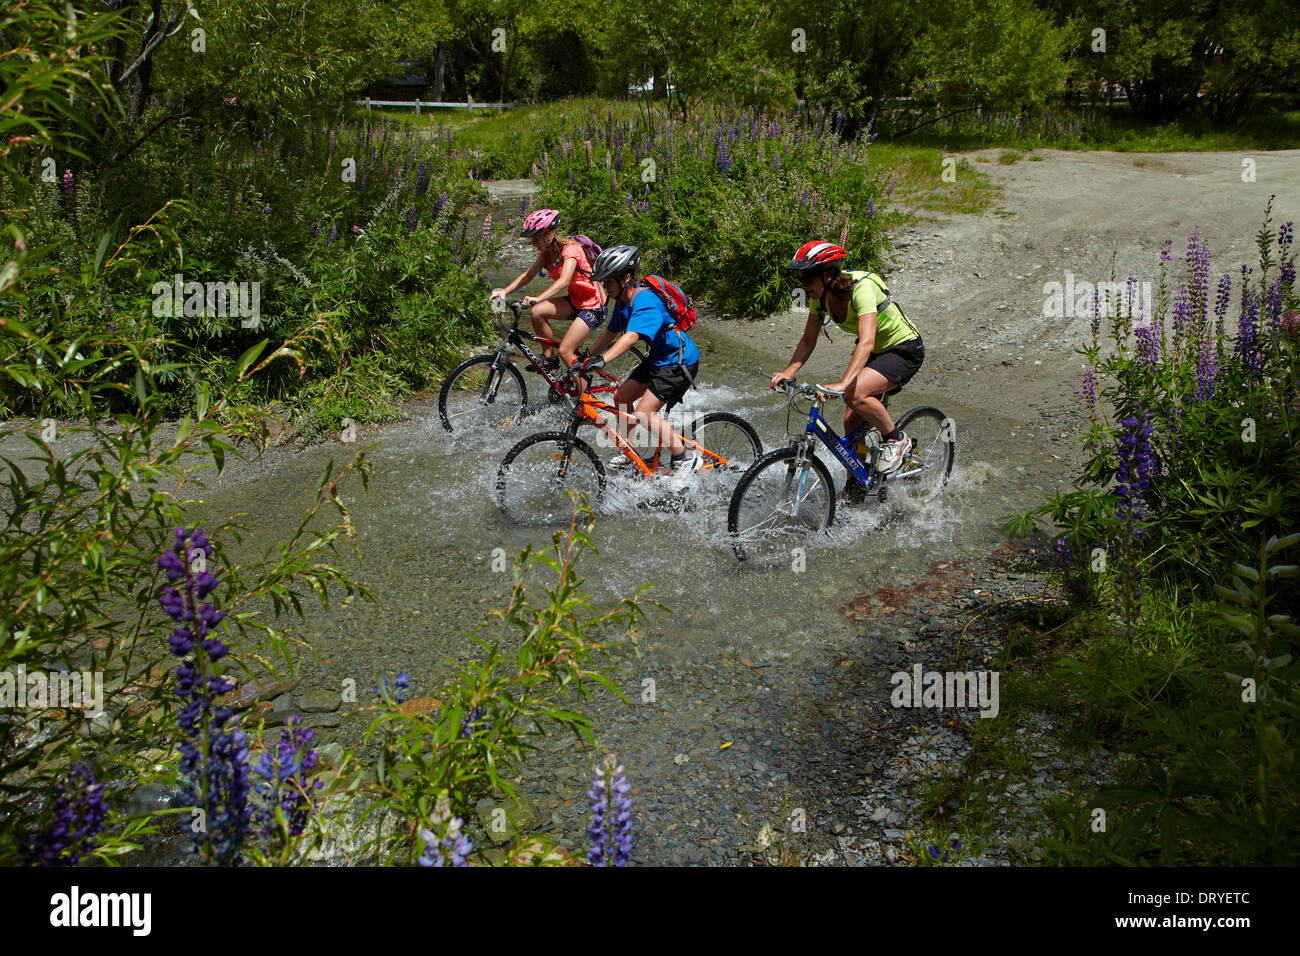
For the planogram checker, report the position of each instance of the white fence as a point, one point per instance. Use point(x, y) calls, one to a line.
point(368, 102)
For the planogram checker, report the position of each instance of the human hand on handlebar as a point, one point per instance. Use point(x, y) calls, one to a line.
point(590, 363)
point(778, 378)
point(826, 396)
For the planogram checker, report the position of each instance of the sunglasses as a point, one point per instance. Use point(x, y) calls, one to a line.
point(806, 280)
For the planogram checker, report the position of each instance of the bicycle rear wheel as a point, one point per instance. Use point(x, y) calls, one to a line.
point(476, 395)
point(729, 436)
point(779, 504)
point(927, 466)
point(535, 474)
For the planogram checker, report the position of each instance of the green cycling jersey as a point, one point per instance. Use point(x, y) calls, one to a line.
point(869, 290)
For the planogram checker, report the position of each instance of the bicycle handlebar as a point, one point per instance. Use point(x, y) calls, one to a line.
point(792, 387)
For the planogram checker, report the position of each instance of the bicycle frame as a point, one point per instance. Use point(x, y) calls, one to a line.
point(843, 449)
point(515, 338)
point(590, 409)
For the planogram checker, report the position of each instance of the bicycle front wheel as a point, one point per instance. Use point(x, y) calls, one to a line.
point(926, 468)
point(476, 395)
point(728, 436)
point(536, 474)
point(778, 504)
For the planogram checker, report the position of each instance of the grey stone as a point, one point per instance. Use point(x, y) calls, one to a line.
point(321, 702)
point(519, 817)
point(321, 720)
point(331, 754)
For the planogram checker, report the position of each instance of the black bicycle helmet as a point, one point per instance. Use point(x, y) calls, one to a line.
point(614, 262)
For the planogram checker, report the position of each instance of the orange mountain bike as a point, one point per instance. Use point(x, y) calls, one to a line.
point(536, 473)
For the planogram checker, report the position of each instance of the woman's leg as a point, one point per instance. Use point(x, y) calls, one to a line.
point(543, 313)
point(862, 402)
point(574, 338)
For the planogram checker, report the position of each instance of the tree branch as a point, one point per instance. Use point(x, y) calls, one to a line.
point(149, 132)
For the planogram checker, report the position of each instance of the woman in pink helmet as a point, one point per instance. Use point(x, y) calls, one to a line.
point(571, 294)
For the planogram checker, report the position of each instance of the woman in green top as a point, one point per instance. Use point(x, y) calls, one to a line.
point(888, 350)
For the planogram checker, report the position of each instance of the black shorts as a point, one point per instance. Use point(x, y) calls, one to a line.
point(900, 363)
point(668, 383)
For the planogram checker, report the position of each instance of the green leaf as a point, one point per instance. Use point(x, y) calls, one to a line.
point(247, 359)
point(104, 240)
point(201, 399)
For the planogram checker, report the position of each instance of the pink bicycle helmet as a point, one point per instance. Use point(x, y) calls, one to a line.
point(539, 221)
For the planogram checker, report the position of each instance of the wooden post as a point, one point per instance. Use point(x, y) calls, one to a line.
point(367, 104)
point(469, 101)
point(417, 106)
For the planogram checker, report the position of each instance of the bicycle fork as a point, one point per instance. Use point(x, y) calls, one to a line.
point(799, 467)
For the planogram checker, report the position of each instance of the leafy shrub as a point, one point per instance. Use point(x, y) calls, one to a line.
point(1191, 480)
point(718, 203)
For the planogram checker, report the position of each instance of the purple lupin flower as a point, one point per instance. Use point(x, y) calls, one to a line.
point(285, 771)
point(70, 196)
point(611, 809)
point(311, 228)
point(421, 179)
point(1273, 306)
point(1148, 346)
point(1136, 462)
point(75, 819)
point(333, 236)
point(1166, 250)
point(1207, 372)
point(1222, 296)
point(1247, 343)
point(445, 844)
point(474, 722)
point(397, 692)
point(1182, 315)
point(871, 209)
point(214, 750)
point(1090, 387)
point(410, 220)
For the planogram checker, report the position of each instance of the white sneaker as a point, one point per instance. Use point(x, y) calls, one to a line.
point(619, 462)
point(688, 465)
point(892, 454)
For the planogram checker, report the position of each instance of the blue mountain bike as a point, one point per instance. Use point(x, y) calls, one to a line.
point(787, 495)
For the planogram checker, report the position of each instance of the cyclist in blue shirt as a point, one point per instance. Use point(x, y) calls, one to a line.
point(668, 370)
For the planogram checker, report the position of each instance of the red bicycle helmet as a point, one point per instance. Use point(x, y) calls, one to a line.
point(814, 255)
point(539, 221)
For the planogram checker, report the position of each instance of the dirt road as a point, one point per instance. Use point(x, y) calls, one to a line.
point(975, 283)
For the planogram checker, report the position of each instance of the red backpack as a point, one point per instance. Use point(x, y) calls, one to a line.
point(678, 303)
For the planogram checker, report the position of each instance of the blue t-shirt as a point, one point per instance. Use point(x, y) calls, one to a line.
point(648, 318)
